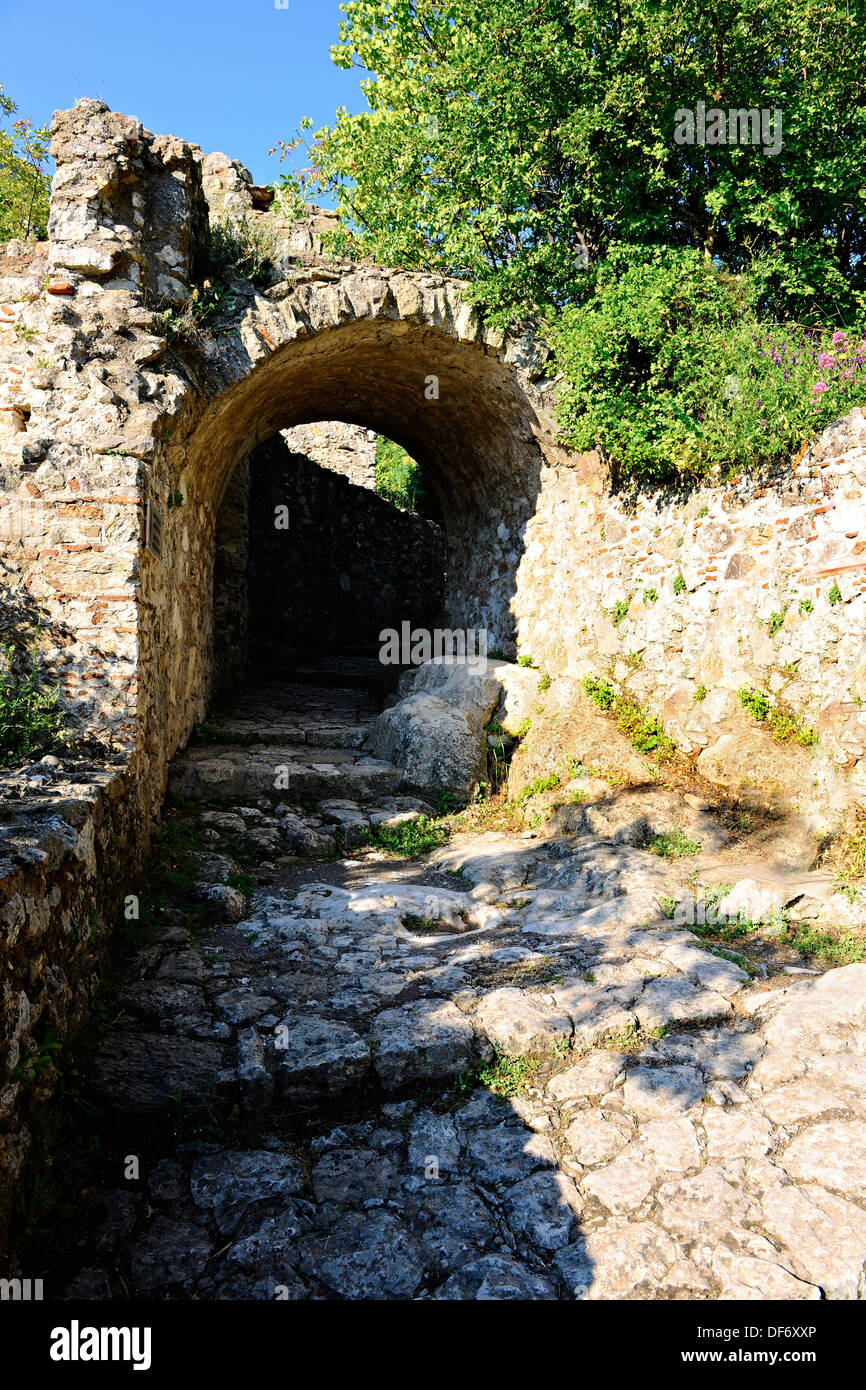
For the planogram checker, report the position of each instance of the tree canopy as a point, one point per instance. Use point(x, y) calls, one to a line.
point(512, 141)
point(665, 183)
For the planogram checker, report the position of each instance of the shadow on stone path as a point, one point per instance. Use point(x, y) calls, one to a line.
point(301, 1086)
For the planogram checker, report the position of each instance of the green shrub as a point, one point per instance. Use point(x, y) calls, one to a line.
point(679, 584)
point(642, 729)
point(234, 247)
point(241, 881)
point(619, 612)
point(776, 621)
point(786, 726)
point(410, 839)
point(674, 844)
point(835, 595)
point(240, 247)
point(540, 784)
point(669, 365)
point(756, 702)
point(599, 690)
point(30, 721)
point(508, 1076)
point(25, 187)
point(398, 477)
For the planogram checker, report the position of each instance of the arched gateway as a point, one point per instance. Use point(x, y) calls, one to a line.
point(126, 438)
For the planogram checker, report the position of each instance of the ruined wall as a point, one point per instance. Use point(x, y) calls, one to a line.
point(110, 418)
point(109, 415)
point(349, 450)
point(108, 412)
point(231, 582)
point(71, 836)
point(78, 460)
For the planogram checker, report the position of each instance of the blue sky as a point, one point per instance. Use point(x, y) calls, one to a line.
point(230, 75)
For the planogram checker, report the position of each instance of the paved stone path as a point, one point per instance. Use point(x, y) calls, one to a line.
point(681, 1129)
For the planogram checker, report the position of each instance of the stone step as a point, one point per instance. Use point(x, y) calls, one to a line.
point(321, 732)
point(241, 774)
point(346, 673)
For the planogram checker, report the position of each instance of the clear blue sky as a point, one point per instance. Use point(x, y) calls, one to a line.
point(230, 75)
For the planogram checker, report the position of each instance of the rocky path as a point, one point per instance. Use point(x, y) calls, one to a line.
point(498, 1072)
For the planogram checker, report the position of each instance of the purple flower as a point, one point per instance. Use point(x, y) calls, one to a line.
point(820, 386)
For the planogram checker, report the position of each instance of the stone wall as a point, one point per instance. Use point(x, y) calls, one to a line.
point(346, 449)
point(71, 837)
point(309, 564)
point(700, 578)
point(349, 564)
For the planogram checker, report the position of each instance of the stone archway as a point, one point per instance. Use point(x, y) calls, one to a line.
point(139, 424)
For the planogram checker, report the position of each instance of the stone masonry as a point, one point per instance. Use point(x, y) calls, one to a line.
point(113, 430)
point(346, 449)
point(309, 564)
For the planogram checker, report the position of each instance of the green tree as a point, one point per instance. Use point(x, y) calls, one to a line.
point(510, 141)
point(24, 184)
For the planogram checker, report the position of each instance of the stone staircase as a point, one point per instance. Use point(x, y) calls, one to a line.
point(296, 740)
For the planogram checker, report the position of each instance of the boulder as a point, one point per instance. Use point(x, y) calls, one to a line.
point(520, 694)
point(435, 744)
point(472, 688)
point(435, 730)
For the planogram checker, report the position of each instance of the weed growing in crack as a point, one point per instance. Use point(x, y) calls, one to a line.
point(643, 731)
point(411, 839)
point(674, 844)
point(785, 725)
point(540, 784)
